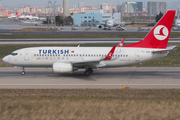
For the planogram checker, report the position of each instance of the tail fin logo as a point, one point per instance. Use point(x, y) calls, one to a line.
point(161, 32)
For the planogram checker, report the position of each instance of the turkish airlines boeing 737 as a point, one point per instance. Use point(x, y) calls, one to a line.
point(70, 59)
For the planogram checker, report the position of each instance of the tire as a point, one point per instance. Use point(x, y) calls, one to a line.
point(23, 73)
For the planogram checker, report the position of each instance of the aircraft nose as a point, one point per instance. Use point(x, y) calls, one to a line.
point(6, 59)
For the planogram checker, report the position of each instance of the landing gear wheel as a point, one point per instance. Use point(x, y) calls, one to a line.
point(23, 73)
point(88, 72)
point(91, 70)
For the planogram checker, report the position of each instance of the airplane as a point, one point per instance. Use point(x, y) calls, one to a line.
point(11, 16)
point(110, 23)
point(20, 16)
point(26, 17)
point(70, 59)
point(177, 21)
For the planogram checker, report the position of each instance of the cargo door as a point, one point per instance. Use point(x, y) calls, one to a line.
point(137, 55)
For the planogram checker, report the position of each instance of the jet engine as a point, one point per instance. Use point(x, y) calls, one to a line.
point(100, 26)
point(62, 68)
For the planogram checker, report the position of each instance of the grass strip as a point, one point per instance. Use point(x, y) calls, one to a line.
point(88, 104)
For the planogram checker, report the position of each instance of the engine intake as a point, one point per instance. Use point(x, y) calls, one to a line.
point(100, 26)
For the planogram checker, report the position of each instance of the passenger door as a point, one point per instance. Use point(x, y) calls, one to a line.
point(27, 55)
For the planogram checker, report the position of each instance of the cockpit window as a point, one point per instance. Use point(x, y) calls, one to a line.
point(14, 54)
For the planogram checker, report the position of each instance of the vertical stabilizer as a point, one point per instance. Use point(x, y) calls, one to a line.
point(158, 37)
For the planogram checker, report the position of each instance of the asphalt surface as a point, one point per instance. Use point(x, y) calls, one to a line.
point(7, 26)
point(141, 78)
point(75, 41)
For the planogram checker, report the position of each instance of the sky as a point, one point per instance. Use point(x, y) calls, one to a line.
point(40, 3)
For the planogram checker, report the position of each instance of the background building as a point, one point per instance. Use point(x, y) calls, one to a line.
point(95, 16)
point(155, 7)
point(139, 6)
point(130, 7)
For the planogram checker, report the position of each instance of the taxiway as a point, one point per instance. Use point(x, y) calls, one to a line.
point(128, 77)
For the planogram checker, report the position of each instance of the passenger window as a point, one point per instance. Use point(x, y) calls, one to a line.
point(34, 54)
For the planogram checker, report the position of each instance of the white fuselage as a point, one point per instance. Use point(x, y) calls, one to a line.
point(110, 23)
point(47, 56)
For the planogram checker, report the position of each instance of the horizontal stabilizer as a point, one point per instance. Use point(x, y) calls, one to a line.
point(164, 50)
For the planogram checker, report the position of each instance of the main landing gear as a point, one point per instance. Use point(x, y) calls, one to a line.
point(23, 71)
point(88, 72)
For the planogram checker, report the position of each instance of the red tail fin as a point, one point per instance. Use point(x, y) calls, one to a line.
point(17, 14)
point(158, 37)
point(9, 14)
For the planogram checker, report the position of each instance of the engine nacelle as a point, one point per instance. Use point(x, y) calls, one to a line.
point(62, 68)
point(100, 26)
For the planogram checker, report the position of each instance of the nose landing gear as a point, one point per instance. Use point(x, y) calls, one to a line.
point(23, 71)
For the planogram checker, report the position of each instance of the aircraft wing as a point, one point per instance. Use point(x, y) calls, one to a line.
point(165, 50)
point(95, 63)
point(103, 25)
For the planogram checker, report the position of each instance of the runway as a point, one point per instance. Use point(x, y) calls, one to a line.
point(115, 78)
point(75, 41)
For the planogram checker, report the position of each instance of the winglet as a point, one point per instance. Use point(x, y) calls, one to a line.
point(122, 42)
point(110, 54)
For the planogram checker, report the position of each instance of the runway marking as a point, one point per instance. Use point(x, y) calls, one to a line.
point(122, 87)
point(86, 84)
